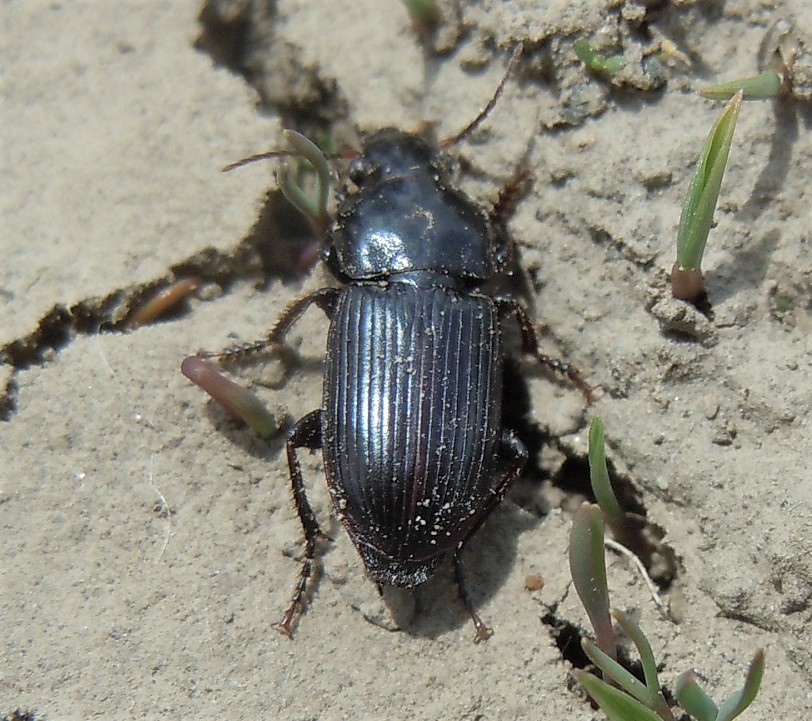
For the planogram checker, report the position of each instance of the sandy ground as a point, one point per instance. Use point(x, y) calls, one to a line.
point(148, 543)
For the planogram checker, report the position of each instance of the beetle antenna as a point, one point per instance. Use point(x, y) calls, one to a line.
point(259, 156)
point(476, 122)
point(348, 154)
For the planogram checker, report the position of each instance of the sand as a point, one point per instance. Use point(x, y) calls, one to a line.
point(148, 543)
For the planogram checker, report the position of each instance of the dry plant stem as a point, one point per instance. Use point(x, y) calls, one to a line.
point(163, 301)
point(641, 569)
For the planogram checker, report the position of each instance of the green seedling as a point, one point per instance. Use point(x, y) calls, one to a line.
point(621, 695)
point(647, 693)
point(303, 166)
point(597, 63)
point(588, 572)
point(312, 205)
point(425, 16)
point(627, 528)
point(696, 702)
point(238, 402)
point(615, 703)
point(586, 554)
point(777, 57)
point(687, 282)
point(757, 87)
point(599, 478)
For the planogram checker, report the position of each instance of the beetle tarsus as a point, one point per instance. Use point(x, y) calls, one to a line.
point(285, 623)
point(513, 456)
point(483, 632)
point(240, 352)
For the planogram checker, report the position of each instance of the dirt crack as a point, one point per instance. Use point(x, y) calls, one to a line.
point(279, 245)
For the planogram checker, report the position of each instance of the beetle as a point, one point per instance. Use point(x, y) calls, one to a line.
point(410, 426)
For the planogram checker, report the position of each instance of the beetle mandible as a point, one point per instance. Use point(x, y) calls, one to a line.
point(410, 425)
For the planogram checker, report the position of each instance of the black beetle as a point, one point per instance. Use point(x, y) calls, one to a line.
point(411, 421)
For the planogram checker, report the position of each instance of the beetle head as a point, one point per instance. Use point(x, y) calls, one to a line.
point(390, 153)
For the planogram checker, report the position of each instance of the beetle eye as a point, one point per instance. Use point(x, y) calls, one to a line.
point(360, 169)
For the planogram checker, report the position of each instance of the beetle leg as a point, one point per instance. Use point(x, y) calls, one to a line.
point(323, 298)
point(306, 434)
point(513, 455)
point(483, 631)
point(510, 194)
point(531, 345)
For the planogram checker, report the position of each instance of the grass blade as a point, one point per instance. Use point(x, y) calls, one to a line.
point(692, 697)
point(611, 669)
point(764, 85)
point(739, 701)
point(617, 705)
point(314, 208)
point(657, 701)
point(599, 476)
point(700, 203)
point(588, 571)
